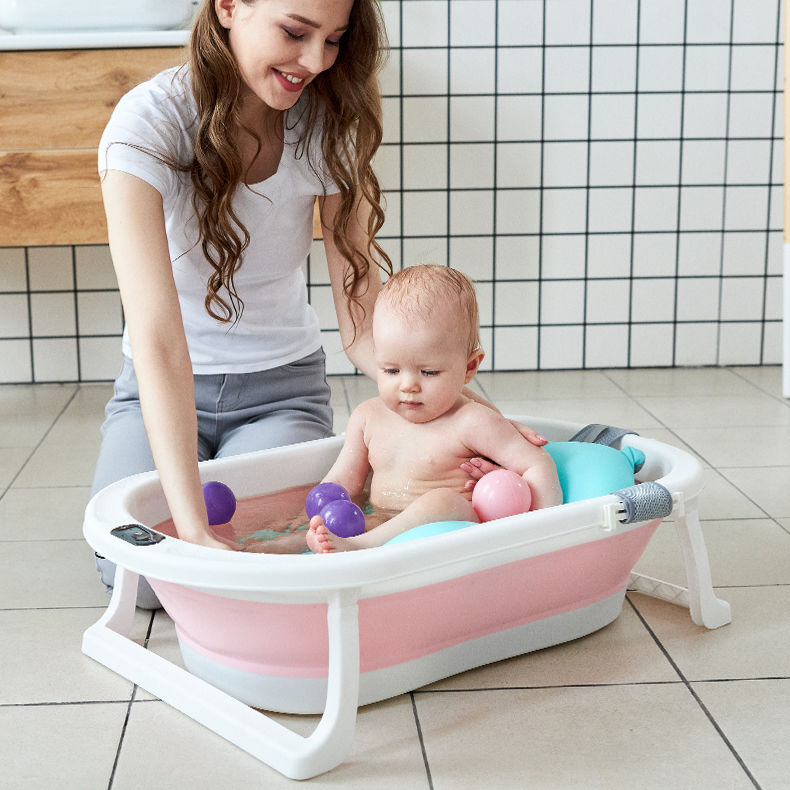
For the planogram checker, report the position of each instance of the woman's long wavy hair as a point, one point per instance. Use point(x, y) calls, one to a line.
point(344, 102)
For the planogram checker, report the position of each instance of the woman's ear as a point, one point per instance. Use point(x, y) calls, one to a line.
point(473, 363)
point(224, 10)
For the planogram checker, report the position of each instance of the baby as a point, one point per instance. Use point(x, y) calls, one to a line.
point(422, 426)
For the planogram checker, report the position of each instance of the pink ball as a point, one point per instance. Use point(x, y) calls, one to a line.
point(499, 494)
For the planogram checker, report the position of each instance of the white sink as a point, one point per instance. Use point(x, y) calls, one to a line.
point(56, 16)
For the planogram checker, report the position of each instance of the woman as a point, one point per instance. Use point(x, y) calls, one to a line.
point(209, 177)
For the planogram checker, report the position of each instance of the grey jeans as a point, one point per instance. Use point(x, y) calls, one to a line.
point(237, 413)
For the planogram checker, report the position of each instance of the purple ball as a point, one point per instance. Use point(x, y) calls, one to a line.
point(321, 495)
point(220, 502)
point(343, 518)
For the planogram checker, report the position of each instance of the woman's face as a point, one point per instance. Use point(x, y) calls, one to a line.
point(280, 46)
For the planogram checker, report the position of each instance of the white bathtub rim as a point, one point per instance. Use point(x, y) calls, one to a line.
point(411, 564)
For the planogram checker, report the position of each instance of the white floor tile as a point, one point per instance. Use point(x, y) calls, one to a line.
point(49, 574)
point(11, 461)
point(753, 645)
point(768, 486)
point(702, 411)
point(607, 411)
point(43, 663)
point(548, 384)
point(753, 716)
point(767, 378)
point(720, 498)
point(43, 513)
point(681, 382)
point(68, 463)
point(730, 545)
point(607, 737)
point(729, 447)
point(71, 747)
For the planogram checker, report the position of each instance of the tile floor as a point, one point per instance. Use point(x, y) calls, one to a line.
point(651, 701)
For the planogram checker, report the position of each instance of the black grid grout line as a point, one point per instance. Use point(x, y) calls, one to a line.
point(578, 93)
point(681, 160)
point(766, 264)
point(76, 312)
point(634, 165)
point(588, 45)
point(583, 140)
point(30, 316)
point(541, 180)
point(724, 175)
point(588, 179)
point(448, 201)
point(586, 187)
point(495, 185)
point(401, 136)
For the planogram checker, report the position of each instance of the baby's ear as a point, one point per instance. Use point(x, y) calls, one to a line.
point(473, 363)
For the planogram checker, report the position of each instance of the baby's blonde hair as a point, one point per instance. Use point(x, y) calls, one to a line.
point(415, 292)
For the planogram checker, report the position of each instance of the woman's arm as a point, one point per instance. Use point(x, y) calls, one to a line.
point(138, 244)
point(355, 326)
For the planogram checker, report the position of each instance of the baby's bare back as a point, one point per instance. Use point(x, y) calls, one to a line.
point(410, 459)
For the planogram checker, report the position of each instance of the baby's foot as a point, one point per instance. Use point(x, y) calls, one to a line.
point(321, 541)
point(319, 538)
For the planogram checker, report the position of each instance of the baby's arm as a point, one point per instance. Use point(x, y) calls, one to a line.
point(530, 434)
point(352, 465)
point(488, 434)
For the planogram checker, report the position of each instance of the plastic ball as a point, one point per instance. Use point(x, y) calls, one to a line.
point(321, 495)
point(220, 502)
point(499, 494)
point(343, 518)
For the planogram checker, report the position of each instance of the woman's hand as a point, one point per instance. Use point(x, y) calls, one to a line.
point(476, 468)
point(212, 541)
point(530, 434)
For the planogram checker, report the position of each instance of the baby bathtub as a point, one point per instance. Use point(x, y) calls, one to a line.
point(324, 634)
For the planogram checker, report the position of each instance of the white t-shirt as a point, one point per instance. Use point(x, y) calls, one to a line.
point(277, 325)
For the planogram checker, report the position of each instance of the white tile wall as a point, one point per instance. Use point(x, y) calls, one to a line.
point(608, 171)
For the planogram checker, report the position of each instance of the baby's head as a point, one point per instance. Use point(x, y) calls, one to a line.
point(426, 341)
point(437, 296)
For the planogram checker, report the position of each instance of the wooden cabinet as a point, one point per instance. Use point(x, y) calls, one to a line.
point(53, 108)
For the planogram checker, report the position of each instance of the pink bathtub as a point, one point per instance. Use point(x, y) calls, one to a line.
point(324, 634)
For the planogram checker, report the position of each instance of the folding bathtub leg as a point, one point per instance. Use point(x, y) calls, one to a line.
point(119, 614)
point(705, 608)
point(258, 734)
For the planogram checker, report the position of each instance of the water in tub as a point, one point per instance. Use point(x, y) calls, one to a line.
point(272, 524)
